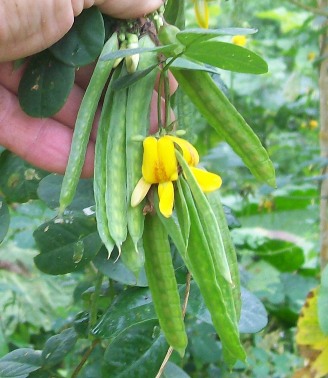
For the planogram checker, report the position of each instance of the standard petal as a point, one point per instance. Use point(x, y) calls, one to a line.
point(167, 161)
point(207, 181)
point(166, 198)
point(150, 160)
point(202, 14)
point(189, 152)
point(139, 192)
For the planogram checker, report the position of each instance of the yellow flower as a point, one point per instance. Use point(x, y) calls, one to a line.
point(160, 167)
point(201, 12)
point(313, 124)
point(239, 40)
point(311, 56)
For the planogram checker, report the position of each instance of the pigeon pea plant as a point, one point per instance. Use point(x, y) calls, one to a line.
point(148, 200)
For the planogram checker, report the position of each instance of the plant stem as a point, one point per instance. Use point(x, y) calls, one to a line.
point(85, 358)
point(94, 302)
point(184, 309)
point(167, 98)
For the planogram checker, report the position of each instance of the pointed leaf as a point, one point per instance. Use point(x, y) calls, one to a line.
point(57, 347)
point(190, 36)
point(227, 56)
point(129, 79)
point(19, 363)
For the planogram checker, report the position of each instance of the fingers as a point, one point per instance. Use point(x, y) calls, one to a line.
point(128, 8)
point(42, 142)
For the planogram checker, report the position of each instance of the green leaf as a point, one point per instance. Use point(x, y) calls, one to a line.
point(136, 353)
point(117, 270)
point(323, 301)
point(18, 179)
point(187, 64)
point(132, 307)
point(83, 42)
point(66, 244)
point(4, 219)
point(190, 36)
point(45, 85)
point(57, 347)
point(253, 314)
point(19, 363)
point(49, 191)
point(279, 248)
point(173, 371)
point(175, 13)
point(227, 56)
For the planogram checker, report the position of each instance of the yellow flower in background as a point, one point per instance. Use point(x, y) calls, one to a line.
point(160, 167)
point(239, 40)
point(311, 56)
point(313, 124)
point(202, 13)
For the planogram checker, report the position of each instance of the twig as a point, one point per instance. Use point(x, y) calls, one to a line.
point(184, 309)
point(85, 358)
point(318, 11)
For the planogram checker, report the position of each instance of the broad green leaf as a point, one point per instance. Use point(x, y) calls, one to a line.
point(253, 314)
point(45, 85)
point(19, 363)
point(190, 36)
point(57, 347)
point(279, 248)
point(173, 371)
point(204, 345)
point(227, 56)
point(131, 308)
point(66, 244)
point(83, 42)
point(116, 269)
point(4, 219)
point(18, 179)
point(49, 191)
point(4, 349)
point(323, 301)
point(137, 353)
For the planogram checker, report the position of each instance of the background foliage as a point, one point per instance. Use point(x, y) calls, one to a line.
point(46, 304)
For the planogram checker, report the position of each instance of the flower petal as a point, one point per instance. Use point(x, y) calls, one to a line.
point(167, 161)
point(207, 181)
point(139, 192)
point(166, 198)
point(189, 152)
point(201, 11)
point(150, 160)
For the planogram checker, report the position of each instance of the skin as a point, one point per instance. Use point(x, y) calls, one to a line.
point(45, 143)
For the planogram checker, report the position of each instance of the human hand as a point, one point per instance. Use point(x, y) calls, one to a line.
point(46, 142)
